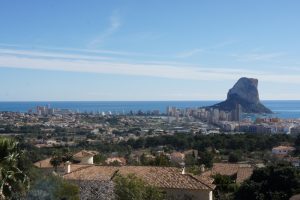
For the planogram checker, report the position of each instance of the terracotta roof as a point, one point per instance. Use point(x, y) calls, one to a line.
point(177, 155)
point(162, 177)
point(295, 197)
point(44, 163)
point(243, 174)
point(76, 167)
point(242, 171)
point(120, 160)
point(288, 148)
point(84, 153)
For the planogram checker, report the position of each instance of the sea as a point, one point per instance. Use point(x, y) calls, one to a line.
point(288, 109)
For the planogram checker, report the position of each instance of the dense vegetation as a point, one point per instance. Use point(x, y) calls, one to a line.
point(246, 142)
point(19, 179)
point(133, 188)
point(271, 183)
point(13, 180)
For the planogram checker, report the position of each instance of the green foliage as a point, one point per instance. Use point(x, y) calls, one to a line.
point(60, 157)
point(272, 182)
point(233, 158)
point(206, 158)
point(243, 142)
point(160, 160)
point(225, 186)
point(99, 159)
point(13, 181)
point(195, 169)
point(53, 187)
point(133, 188)
point(190, 160)
point(56, 160)
point(67, 191)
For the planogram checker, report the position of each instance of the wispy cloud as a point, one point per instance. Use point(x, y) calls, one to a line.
point(58, 61)
point(222, 44)
point(210, 49)
point(51, 55)
point(114, 25)
point(258, 56)
point(190, 53)
point(103, 52)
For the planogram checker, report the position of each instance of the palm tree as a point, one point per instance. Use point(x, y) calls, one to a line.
point(12, 179)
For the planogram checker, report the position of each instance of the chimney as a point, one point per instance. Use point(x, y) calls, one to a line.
point(202, 168)
point(68, 167)
point(183, 170)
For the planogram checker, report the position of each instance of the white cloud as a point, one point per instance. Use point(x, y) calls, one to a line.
point(114, 25)
point(45, 60)
point(51, 55)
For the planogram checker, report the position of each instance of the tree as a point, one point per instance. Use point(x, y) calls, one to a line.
point(55, 161)
point(233, 158)
point(99, 159)
point(53, 187)
point(272, 182)
point(131, 187)
point(190, 160)
point(161, 160)
point(13, 181)
point(225, 186)
point(206, 158)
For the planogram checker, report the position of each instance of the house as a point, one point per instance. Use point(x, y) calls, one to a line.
point(85, 157)
point(240, 172)
point(295, 161)
point(116, 160)
point(176, 183)
point(43, 163)
point(282, 150)
point(177, 158)
point(47, 168)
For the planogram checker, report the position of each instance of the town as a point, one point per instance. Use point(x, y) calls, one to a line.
point(199, 141)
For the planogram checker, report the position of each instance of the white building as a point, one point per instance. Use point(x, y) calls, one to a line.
point(85, 157)
point(282, 150)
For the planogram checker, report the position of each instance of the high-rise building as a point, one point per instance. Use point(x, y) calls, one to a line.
point(236, 113)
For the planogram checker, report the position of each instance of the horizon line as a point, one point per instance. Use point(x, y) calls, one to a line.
point(21, 101)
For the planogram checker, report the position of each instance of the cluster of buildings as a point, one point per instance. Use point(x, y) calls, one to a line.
point(285, 153)
point(175, 182)
point(47, 110)
point(211, 115)
point(235, 121)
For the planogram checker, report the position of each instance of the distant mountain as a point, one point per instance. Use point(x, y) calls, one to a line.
point(245, 93)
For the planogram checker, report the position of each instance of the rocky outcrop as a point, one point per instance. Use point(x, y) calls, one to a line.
point(245, 93)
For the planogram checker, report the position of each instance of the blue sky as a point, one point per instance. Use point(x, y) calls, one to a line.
point(147, 50)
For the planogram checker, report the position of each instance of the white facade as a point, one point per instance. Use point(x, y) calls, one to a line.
point(87, 160)
point(282, 150)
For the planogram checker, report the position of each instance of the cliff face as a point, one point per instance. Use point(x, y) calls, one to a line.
point(245, 93)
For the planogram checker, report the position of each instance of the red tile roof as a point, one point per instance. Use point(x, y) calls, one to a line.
point(162, 177)
point(84, 153)
point(242, 171)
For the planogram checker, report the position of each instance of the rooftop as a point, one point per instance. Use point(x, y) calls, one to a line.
point(162, 177)
point(242, 171)
point(289, 148)
point(84, 153)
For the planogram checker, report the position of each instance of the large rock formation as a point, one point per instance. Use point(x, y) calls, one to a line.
point(245, 93)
